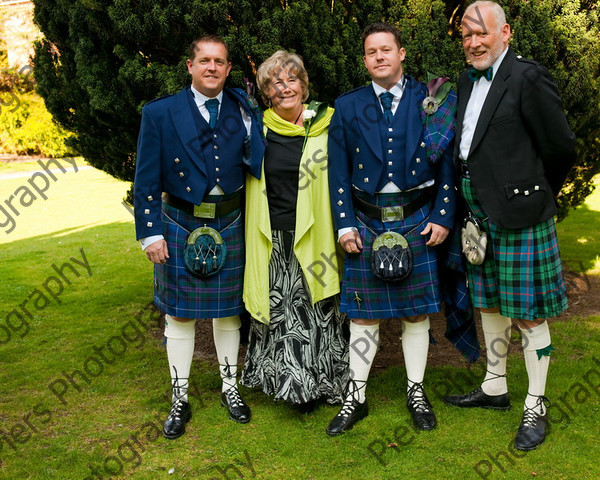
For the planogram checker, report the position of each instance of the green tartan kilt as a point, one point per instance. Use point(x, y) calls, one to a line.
point(522, 271)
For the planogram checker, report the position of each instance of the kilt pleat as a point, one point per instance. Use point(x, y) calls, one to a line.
point(522, 271)
point(179, 293)
point(365, 296)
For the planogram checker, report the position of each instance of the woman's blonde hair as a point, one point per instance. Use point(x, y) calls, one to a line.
point(279, 62)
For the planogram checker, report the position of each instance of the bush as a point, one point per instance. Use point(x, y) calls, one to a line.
point(29, 129)
point(100, 62)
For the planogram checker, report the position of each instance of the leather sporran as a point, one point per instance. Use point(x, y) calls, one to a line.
point(473, 240)
point(204, 252)
point(391, 258)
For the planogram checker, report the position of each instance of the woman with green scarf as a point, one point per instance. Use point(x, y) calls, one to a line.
point(298, 342)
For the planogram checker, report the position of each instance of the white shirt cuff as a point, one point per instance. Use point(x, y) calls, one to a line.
point(146, 242)
point(345, 230)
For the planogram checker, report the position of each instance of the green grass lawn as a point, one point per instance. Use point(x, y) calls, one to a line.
point(579, 235)
point(84, 376)
point(30, 165)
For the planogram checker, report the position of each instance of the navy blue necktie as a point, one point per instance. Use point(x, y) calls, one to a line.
point(475, 74)
point(386, 102)
point(212, 106)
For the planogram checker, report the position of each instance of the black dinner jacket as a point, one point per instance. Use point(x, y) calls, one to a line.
point(522, 148)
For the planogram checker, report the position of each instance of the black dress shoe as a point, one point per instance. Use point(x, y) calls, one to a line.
point(477, 398)
point(306, 407)
point(238, 410)
point(420, 408)
point(532, 430)
point(179, 415)
point(351, 412)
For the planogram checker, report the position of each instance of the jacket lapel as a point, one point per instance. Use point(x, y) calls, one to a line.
point(368, 115)
point(185, 126)
point(493, 98)
point(465, 87)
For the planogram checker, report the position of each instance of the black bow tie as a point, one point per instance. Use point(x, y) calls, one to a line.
point(475, 74)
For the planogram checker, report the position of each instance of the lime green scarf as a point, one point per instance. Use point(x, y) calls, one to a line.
point(312, 127)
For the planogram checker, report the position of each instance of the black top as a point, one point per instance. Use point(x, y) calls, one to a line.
point(282, 167)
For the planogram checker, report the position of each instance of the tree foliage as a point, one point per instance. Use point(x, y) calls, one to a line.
point(100, 61)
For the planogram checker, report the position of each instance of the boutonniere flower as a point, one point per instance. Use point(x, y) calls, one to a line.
point(313, 113)
point(308, 114)
point(307, 119)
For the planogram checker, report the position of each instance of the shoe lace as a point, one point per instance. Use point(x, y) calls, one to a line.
point(351, 396)
point(228, 375)
point(176, 409)
point(417, 399)
point(495, 376)
point(180, 386)
point(234, 398)
point(530, 416)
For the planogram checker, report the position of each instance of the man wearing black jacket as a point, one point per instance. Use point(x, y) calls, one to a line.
point(514, 149)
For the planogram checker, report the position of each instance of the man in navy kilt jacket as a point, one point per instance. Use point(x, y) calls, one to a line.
point(390, 169)
point(193, 151)
point(514, 149)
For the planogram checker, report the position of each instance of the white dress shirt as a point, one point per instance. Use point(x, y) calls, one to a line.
point(201, 99)
point(397, 90)
point(478, 95)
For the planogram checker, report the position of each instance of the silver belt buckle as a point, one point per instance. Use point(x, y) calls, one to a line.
point(205, 210)
point(392, 214)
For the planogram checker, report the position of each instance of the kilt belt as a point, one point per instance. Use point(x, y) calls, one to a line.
point(392, 213)
point(207, 209)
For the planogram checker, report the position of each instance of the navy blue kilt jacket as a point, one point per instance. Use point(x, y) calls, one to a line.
point(365, 155)
point(176, 154)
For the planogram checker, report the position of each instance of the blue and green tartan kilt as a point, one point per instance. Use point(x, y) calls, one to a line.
point(522, 271)
point(181, 294)
point(364, 295)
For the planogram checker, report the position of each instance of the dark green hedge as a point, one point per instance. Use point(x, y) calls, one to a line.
point(102, 60)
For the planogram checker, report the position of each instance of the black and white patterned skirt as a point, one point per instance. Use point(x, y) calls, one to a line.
point(302, 355)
